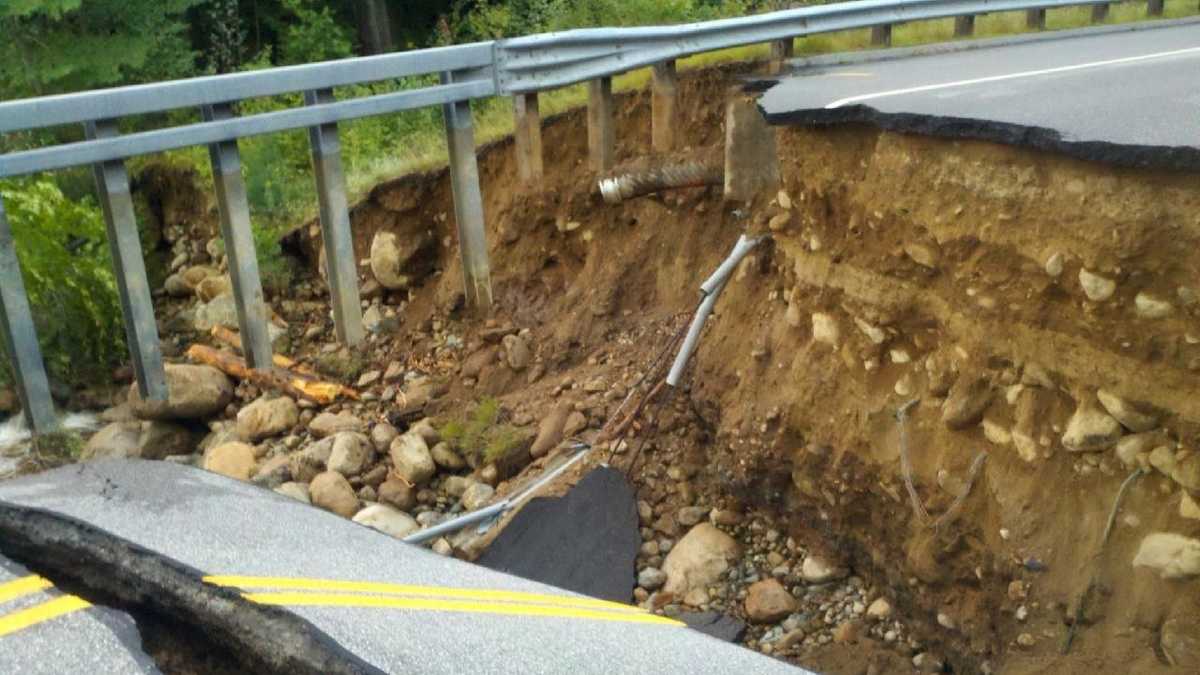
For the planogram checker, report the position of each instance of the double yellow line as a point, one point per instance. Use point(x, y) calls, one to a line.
point(301, 592)
point(44, 611)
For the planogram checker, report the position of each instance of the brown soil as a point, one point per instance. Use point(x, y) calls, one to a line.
point(804, 432)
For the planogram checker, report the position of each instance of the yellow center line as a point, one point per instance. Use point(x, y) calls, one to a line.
point(45, 611)
point(430, 604)
point(12, 590)
point(479, 594)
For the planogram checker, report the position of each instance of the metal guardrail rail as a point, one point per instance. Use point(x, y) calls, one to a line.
point(517, 67)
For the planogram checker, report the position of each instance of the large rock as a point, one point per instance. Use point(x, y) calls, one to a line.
point(1124, 412)
point(382, 435)
point(516, 352)
point(411, 459)
point(966, 402)
point(699, 559)
point(328, 424)
point(768, 601)
point(1091, 429)
point(351, 453)
point(235, 460)
point(387, 520)
point(220, 311)
point(477, 495)
point(194, 392)
point(1173, 556)
point(116, 440)
point(550, 431)
point(267, 417)
point(392, 258)
point(331, 491)
point(159, 440)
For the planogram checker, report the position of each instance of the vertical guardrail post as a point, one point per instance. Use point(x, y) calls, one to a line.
point(239, 242)
point(964, 26)
point(1100, 12)
point(664, 95)
point(1035, 19)
point(468, 204)
point(527, 138)
point(335, 224)
point(20, 339)
point(781, 52)
point(1154, 8)
point(137, 309)
point(601, 132)
point(881, 36)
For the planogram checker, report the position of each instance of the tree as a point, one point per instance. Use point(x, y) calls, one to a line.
point(55, 46)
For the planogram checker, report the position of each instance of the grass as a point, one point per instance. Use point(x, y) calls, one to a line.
point(493, 119)
point(480, 435)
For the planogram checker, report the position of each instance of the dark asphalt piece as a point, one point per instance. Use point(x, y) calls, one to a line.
point(436, 615)
point(721, 626)
point(1124, 98)
point(90, 640)
point(585, 541)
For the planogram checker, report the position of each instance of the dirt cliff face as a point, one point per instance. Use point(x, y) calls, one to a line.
point(1040, 311)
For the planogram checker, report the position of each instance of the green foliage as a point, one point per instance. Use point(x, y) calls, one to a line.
point(53, 46)
point(68, 277)
point(480, 434)
point(314, 36)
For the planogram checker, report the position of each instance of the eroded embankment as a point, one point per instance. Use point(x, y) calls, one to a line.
point(1001, 287)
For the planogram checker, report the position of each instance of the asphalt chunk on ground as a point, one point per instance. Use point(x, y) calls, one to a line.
point(585, 541)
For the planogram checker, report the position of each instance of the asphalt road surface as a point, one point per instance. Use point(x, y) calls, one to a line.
point(46, 631)
point(1130, 98)
point(396, 606)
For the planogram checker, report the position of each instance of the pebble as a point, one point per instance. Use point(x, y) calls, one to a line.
point(1150, 307)
point(825, 329)
point(1091, 429)
point(652, 578)
point(1054, 264)
point(1096, 287)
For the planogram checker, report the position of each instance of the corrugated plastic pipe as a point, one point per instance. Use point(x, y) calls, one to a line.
point(617, 189)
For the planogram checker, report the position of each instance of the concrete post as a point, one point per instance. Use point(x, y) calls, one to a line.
point(781, 52)
point(137, 309)
point(239, 243)
point(528, 138)
point(1154, 8)
point(602, 135)
point(340, 267)
point(1035, 19)
point(19, 339)
point(468, 204)
point(881, 36)
point(964, 26)
point(751, 159)
point(1100, 13)
point(664, 97)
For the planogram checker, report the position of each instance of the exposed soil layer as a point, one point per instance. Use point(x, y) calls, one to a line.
point(906, 267)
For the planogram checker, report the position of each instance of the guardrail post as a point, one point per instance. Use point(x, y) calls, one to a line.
point(1035, 19)
point(664, 94)
point(881, 36)
point(601, 132)
point(964, 26)
point(239, 243)
point(20, 338)
point(335, 224)
point(781, 52)
point(1100, 12)
point(468, 204)
point(137, 309)
point(1154, 8)
point(527, 140)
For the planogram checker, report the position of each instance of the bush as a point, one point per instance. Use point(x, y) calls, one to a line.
point(68, 275)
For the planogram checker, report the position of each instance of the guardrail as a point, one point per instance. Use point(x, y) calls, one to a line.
point(519, 67)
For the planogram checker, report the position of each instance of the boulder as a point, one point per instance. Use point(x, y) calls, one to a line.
point(550, 431)
point(699, 559)
point(1091, 429)
point(767, 601)
point(267, 417)
point(331, 491)
point(235, 460)
point(1173, 556)
point(117, 440)
point(351, 454)
point(328, 424)
point(411, 459)
point(194, 392)
point(387, 520)
point(516, 352)
point(392, 258)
